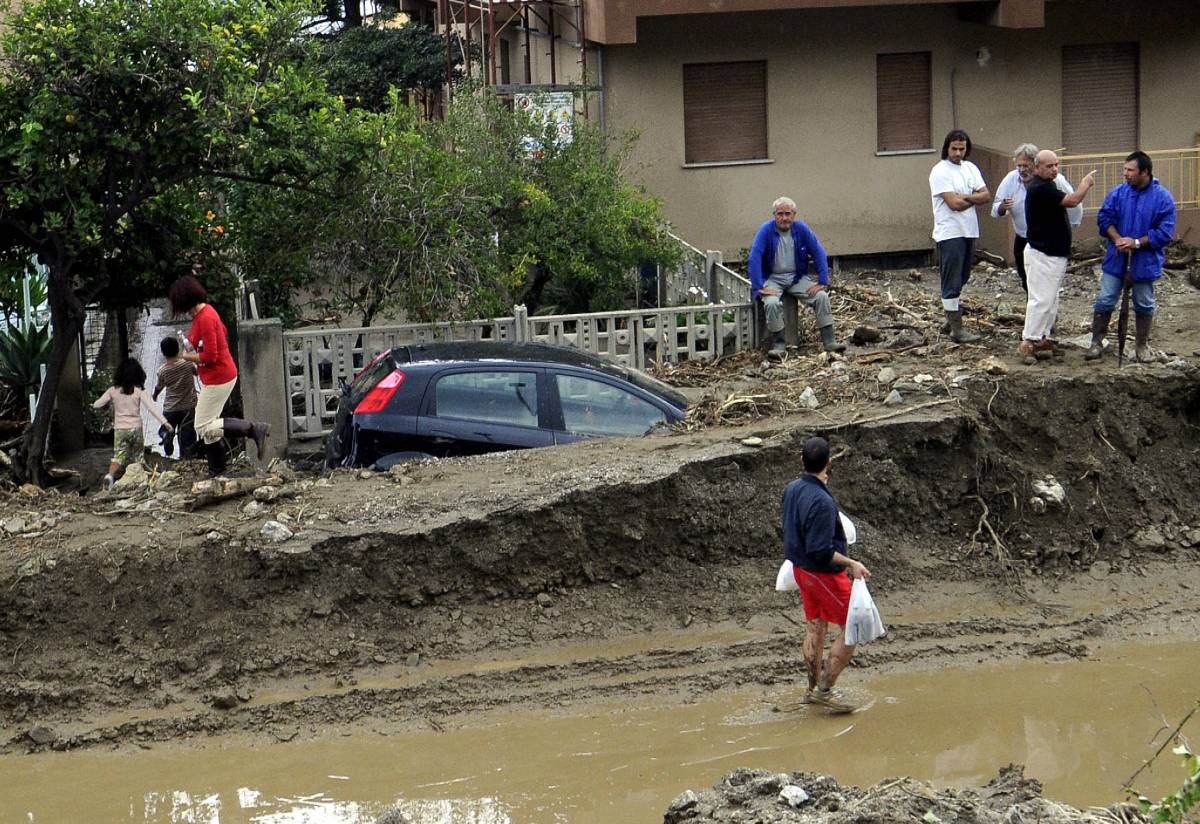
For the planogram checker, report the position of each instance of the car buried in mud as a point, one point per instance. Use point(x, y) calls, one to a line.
point(467, 398)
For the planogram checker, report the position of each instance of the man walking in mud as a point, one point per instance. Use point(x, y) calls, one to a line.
point(1138, 218)
point(815, 543)
point(957, 187)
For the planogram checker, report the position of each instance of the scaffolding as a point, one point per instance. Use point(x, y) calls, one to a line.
point(479, 26)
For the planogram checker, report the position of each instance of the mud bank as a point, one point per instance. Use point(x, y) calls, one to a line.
point(198, 625)
point(784, 798)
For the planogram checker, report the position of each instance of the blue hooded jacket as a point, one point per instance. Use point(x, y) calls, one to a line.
point(766, 242)
point(1148, 211)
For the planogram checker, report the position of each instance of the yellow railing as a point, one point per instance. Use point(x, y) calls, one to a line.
point(1176, 169)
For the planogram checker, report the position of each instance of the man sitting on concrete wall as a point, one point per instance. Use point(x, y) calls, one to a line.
point(779, 259)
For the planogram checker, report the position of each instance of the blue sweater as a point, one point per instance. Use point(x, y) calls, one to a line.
point(762, 254)
point(1148, 211)
point(812, 530)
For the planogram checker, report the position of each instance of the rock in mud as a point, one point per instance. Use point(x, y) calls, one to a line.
point(275, 532)
point(14, 526)
point(225, 699)
point(993, 365)
point(1050, 491)
point(808, 398)
point(42, 735)
point(887, 375)
point(894, 398)
point(752, 441)
point(392, 815)
point(865, 334)
point(1150, 538)
point(793, 795)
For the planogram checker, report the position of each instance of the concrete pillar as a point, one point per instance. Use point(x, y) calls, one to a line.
point(262, 378)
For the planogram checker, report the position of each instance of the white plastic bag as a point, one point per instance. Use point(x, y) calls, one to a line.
point(785, 579)
point(863, 624)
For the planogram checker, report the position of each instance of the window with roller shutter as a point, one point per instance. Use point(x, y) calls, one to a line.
point(902, 104)
point(1100, 98)
point(725, 112)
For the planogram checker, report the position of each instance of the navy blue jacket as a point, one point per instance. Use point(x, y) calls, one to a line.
point(762, 254)
point(812, 530)
point(1148, 211)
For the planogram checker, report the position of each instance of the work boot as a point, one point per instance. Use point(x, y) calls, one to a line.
point(1099, 329)
point(954, 319)
point(256, 431)
point(831, 701)
point(217, 459)
point(1142, 324)
point(829, 342)
point(778, 344)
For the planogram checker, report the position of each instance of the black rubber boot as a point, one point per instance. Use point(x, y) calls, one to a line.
point(1099, 330)
point(829, 342)
point(778, 344)
point(217, 459)
point(256, 431)
point(1142, 324)
point(956, 331)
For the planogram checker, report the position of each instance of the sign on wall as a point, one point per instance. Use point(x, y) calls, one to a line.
point(556, 108)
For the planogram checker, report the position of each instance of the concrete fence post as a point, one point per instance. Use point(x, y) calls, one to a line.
point(713, 258)
point(262, 377)
point(521, 322)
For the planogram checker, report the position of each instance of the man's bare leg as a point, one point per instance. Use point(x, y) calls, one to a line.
point(839, 656)
point(814, 646)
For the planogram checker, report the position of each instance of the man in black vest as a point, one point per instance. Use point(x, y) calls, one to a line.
point(1049, 248)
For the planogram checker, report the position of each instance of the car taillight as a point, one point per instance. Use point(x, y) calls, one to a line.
point(378, 397)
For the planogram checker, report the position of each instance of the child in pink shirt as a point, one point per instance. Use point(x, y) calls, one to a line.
point(127, 397)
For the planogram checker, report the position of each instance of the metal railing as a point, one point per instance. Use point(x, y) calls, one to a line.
point(1176, 169)
point(317, 360)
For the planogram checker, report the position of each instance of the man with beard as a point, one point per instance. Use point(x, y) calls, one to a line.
point(1010, 202)
point(957, 187)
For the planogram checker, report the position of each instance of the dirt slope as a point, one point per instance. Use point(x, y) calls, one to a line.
point(134, 619)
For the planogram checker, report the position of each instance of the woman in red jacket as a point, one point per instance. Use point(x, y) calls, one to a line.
point(209, 350)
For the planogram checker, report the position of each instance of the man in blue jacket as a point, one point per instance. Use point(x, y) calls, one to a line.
point(779, 260)
point(1138, 218)
point(815, 542)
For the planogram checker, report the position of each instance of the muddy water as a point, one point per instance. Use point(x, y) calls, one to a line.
point(1081, 727)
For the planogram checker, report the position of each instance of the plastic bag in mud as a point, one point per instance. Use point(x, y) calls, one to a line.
point(863, 624)
point(785, 579)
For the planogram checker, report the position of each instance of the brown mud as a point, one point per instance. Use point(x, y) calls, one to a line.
point(444, 591)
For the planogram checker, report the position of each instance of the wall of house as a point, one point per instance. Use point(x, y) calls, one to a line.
point(821, 104)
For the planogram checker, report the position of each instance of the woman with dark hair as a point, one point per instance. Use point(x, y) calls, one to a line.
point(208, 348)
point(127, 395)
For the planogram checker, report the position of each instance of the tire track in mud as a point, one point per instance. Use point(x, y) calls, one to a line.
point(673, 674)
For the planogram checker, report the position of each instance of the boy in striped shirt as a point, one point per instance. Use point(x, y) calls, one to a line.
point(177, 377)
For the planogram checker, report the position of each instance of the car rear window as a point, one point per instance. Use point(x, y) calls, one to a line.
point(365, 381)
point(494, 396)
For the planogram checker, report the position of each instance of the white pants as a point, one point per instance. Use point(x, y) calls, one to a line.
point(1044, 276)
point(209, 404)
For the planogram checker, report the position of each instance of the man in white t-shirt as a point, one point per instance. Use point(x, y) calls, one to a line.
point(1010, 201)
point(957, 187)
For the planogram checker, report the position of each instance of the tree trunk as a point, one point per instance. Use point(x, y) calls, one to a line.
point(538, 276)
point(354, 18)
point(66, 318)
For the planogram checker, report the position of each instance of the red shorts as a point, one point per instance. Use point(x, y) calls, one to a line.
point(826, 595)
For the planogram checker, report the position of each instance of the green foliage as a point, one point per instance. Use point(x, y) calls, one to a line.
point(363, 64)
point(455, 219)
point(14, 267)
point(1181, 806)
point(114, 110)
point(23, 352)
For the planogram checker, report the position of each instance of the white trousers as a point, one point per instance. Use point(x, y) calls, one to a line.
point(1044, 275)
point(209, 404)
